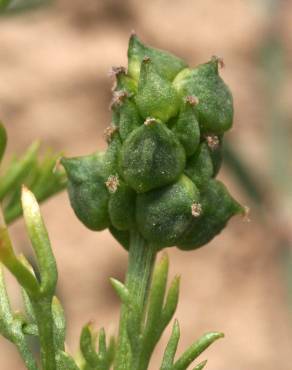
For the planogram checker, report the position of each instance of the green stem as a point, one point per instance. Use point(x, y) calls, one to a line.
point(140, 267)
point(26, 354)
point(44, 317)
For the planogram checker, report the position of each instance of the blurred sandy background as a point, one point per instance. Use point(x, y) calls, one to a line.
point(54, 86)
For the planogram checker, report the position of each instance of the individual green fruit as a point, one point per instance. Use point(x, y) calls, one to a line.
point(129, 118)
point(3, 140)
point(215, 144)
point(122, 207)
point(87, 179)
point(119, 96)
point(186, 128)
point(110, 159)
point(87, 190)
point(199, 167)
point(166, 64)
point(124, 81)
point(151, 157)
point(217, 207)
point(215, 107)
point(164, 214)
point(156, 96)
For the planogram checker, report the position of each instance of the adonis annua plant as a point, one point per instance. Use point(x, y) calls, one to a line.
point(154, 187)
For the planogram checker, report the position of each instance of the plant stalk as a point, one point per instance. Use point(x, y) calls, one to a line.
point(44, 317)
point(26, 354)
point(140, 267)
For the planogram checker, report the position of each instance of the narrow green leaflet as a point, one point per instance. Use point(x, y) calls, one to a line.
point(66, 362)
point(153, 330)
point(18, 170)
point(59, 324)
point(195, 350)
point(40, 242)
point(121, 291)
point(201, 365)
point(171, 302)
point(102, 359)
point(171, 347)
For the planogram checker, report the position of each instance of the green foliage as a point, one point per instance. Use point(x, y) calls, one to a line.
point(145, 331)
point(101, 360)
point(11, 326)
point(17, 170)
point(44, 315)
point(38, 294)
point(195, 350)
point(41, 174)
point(65, 361)
point(190, 354)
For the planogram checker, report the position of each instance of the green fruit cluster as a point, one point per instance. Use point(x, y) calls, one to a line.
point(164, 150)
